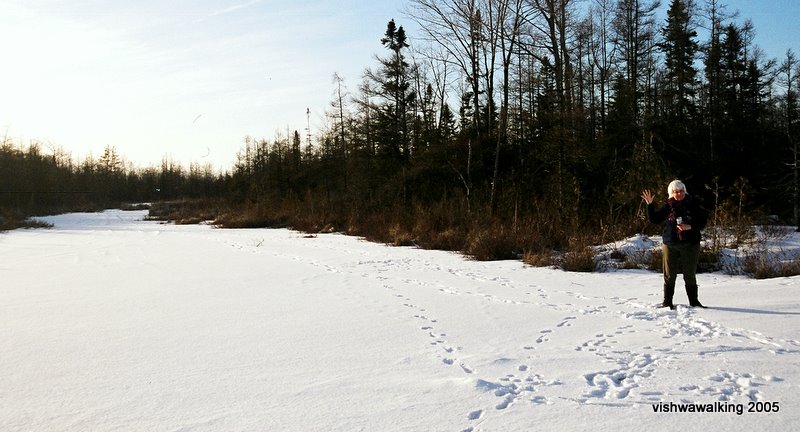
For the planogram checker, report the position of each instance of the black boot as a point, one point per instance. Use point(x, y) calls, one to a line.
point(668, 293)
point(691, 292)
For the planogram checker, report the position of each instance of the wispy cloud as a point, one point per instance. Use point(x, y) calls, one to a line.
point(233, 8)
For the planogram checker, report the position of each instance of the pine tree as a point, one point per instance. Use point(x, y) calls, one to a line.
point(680, 50)
point(395, 83)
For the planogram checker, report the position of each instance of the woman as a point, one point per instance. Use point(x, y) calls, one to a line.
point(681, 249)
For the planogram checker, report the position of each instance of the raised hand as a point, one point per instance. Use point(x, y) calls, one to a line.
point(647, 196)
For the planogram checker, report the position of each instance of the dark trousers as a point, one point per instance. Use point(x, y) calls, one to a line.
point(680, 258)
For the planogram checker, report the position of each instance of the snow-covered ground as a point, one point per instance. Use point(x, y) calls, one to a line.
point(111, 323)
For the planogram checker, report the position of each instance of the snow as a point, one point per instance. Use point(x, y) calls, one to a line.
point(112, 323)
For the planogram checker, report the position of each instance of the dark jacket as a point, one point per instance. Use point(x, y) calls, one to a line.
point(689, 210)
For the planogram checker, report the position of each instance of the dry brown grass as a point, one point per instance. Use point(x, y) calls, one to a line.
point(761, 269)
point(581, 259)
point(488, 244)
point(400, 236)
point(10, 222)
point(539, 259)
point(537, 241)
point(450, 239)
point(186, 212)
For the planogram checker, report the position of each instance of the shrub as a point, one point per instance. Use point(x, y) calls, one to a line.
point(579, 260)
point(451, 239)
point(251, 218)
point(186, 211)
point(639, 259)
point(655, 261)
point(538, 259)
point(708, 261)
point(10, 220)
point(618, 255)
point(763, 263)
point(766, 266)
point(12, 224)
point(373, 227)
point(488, 244)
point(400, 236)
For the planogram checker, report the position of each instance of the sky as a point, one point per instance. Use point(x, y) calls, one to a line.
point(184, 78)
point(190, 79)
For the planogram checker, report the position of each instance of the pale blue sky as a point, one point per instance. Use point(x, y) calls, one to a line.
point(775, 22)
point(84, 74)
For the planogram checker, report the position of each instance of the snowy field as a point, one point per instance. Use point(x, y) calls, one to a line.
point(111, 323)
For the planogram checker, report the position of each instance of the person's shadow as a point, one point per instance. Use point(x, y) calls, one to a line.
point(753, 311)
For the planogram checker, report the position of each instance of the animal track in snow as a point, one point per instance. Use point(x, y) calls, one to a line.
point(565, 321)
point(512, 388)
point(727, 386)
point(437, 338)
point(618, 383)
point(609, 382)
point(542, 338)
point(685, 324)
point(475, 415)
point(632, 367)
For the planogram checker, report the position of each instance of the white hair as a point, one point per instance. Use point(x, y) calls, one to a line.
point(676, 185)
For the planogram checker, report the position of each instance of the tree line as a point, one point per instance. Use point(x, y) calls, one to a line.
point(538, 121)
point(36, 181)
point(548, 112)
